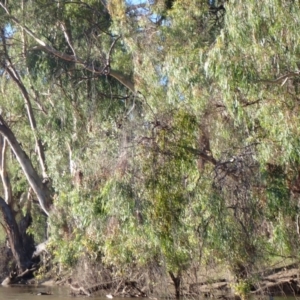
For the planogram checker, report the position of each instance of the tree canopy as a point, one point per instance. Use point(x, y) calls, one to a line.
point(155, 134)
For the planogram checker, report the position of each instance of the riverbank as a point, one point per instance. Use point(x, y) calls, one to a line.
point(215, 282)
point(280, 281)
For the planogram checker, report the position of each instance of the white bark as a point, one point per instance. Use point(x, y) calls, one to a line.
point(3, 172)
point(123, 79)
point(32, 176)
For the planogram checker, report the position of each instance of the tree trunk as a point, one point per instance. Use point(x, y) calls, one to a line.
point(176, 281)
point(33, 178)
point(38, 143)
point(21, 255)
point(28, 240)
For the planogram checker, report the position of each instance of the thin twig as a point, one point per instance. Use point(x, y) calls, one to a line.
point(282, 79)
point(68, 38)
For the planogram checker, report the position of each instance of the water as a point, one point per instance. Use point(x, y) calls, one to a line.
point(30, 293)
point(62, 293)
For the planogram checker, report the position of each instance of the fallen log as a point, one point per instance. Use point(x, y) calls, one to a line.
point(128, 288)
point(14, 278)
point(79, 290)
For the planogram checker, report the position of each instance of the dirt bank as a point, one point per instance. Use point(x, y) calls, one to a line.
point(274, 282)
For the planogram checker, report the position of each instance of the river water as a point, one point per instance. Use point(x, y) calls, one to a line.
point(30, 293)
point(61, 293)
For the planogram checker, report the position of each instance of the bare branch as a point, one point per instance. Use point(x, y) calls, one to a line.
point(68, 37)
point(206, 155)
point(282, 79)
point(106, 69)
point(3, 171)
point(37, 101)
point(123, 79)
point(9, 67)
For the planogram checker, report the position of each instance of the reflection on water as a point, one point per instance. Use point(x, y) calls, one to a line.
point(61, 293)
point(30, 293)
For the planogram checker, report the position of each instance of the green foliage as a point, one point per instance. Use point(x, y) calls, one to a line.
point(38, 227)
point(197, 164)
point(242, 288)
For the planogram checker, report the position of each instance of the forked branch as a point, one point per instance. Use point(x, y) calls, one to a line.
point(11, 70)
point(123, 79)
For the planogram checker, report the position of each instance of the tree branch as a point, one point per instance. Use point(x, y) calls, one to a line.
point(3, 171)
point(68, 37)
point(282, 79)
point(123, 79)
point(206, 155)
point(9, 67)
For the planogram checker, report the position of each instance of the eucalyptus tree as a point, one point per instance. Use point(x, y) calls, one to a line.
point(174, 148)
point(187, 67)
point(177, 119)
point(63, 96)
point(9, 207)
point(254, 67)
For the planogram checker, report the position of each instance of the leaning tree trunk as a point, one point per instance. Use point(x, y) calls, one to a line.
point(21, 244)
point(21, 255)
point(32, 176)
